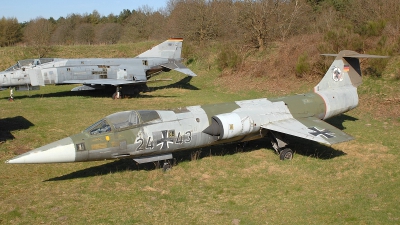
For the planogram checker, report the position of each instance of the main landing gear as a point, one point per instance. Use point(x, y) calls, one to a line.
point(280, 145)
point(117, 94)
point(166, 166)
point(129, 90)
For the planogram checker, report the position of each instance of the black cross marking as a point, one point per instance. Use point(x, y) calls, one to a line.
point(324, 132)
point(164, 141)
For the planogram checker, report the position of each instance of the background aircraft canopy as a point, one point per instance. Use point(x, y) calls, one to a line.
point(29, 62)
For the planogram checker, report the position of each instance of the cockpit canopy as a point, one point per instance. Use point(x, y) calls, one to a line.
point(123, 120)
point(29, 62)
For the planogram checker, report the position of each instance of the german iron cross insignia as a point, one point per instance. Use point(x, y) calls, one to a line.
point(166, 139)
point(324, 132)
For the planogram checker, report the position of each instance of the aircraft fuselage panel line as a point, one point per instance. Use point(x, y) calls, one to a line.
point(97, 72)
point(154, 135)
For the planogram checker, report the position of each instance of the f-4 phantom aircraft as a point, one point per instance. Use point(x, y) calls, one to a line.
point(154, 135)
point(126, 75)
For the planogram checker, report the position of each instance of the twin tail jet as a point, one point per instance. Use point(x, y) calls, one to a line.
point(128, 76)
point(155, 135)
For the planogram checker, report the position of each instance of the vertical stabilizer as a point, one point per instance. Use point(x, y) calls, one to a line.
point(344, 71)
point(169, 49)
point(338, 88)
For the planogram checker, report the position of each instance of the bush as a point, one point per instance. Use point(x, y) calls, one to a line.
point(340, 39)
point(228, 58)
point(372, 28)
point(189, 52)
point(302, 65)
point(377, 66)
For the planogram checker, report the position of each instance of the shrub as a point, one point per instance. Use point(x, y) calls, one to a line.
point(228, 58)
point(372, 28)
point(302, 65)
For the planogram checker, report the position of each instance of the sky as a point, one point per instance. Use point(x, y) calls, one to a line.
point(25, 10)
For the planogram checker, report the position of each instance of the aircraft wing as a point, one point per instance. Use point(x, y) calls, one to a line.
point(174, 65)
point(310, 128)
point(114, 82)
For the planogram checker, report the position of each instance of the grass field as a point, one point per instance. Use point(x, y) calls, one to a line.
point(357, 182)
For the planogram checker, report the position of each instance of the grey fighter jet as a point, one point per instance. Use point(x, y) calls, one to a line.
point(154, 135)
point(125, 75)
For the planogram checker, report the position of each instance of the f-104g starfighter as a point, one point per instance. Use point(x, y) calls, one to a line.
point(155, 135)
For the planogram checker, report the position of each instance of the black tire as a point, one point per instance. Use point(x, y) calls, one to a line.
point(136, 92)
point(286, 154)
point(166, 167)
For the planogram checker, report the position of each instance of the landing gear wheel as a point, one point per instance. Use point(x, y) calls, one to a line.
point(166, 167)
point(116, 96)
point(286, 154)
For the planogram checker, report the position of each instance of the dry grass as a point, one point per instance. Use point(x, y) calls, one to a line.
point(350, 183)
point(274, 72)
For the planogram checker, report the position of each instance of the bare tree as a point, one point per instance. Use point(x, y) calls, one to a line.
point(109, 33)
point(385, 12)
point(291, 17)
point(37, 34)
point(264, 21)
point(84, 34)
point(138, 23)
point(3, 22)
point(194, 19)
point(255, 20)
point(64, 33)
point(157, 22)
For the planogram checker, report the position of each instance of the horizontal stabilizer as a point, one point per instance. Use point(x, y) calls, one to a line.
point(310, 128)
point(358, 55)
point(174, 65)
point(344, 71)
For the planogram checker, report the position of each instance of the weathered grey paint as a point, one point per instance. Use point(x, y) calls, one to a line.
point(148, 135)
point(95, 73)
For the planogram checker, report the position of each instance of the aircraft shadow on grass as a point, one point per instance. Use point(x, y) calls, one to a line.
point(183, 156)
point(302, 147)
point(11, 124)
point(183, 84)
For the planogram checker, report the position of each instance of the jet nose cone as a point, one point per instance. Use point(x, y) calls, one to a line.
point(56, 152)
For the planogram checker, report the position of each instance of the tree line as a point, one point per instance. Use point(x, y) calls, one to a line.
point(252, 24)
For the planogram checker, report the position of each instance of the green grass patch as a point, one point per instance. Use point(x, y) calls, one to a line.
point(355, 182)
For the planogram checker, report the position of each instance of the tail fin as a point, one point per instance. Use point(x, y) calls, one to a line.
point(344, 71)
point(169, 49)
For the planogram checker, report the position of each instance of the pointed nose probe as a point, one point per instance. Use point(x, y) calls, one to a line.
point(56, 152)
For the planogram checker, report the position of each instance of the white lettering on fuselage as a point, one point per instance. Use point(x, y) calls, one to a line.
point(165, 141)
